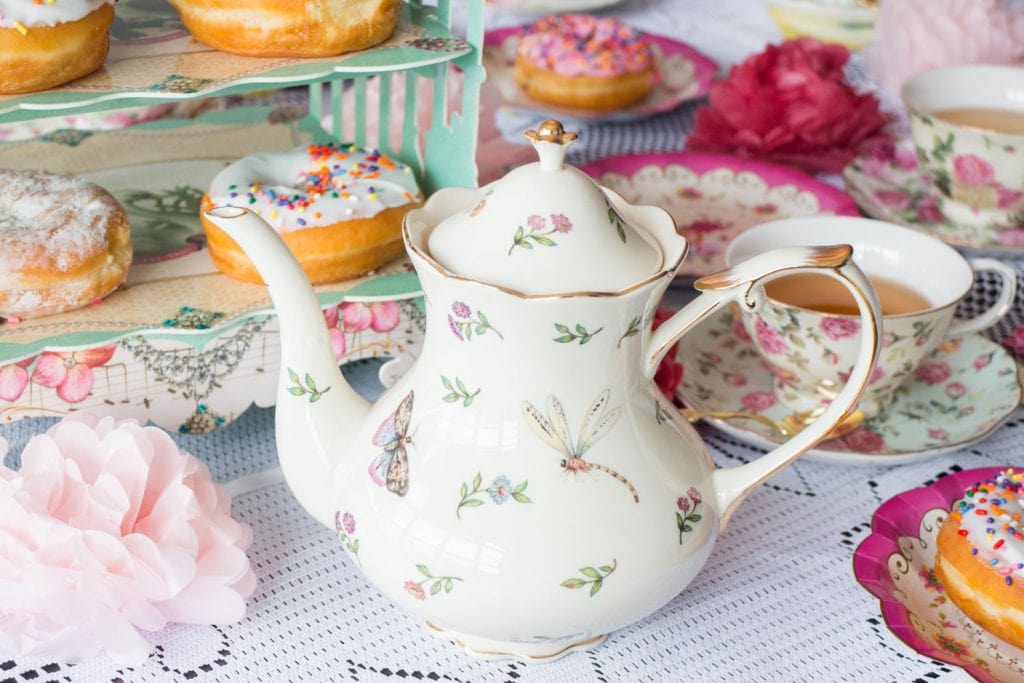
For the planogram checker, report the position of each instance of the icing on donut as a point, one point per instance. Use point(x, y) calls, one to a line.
point(990, 517)
point(26, 13)
point(315, 186)
point(582, 45)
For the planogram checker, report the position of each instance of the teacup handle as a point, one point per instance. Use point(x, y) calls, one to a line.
point(740, 283)
point(1000, 308)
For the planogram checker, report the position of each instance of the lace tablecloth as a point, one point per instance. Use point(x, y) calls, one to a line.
point(777, 601)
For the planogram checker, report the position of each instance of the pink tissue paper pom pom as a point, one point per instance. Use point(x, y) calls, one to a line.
point(107, 529)
point(912, 36)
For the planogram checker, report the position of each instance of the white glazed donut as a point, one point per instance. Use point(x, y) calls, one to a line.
point(338, 208)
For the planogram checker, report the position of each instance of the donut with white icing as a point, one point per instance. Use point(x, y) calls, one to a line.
point(44, 44)
point(583, 61)
point(289, 28)
point(339, 208)
point(980, 555)
point(66, 243)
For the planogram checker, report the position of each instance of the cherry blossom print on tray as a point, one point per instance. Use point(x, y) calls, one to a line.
point(888, 183)
point(683, 74)
point(956, 396)
point(714, 197)
point(896, 564)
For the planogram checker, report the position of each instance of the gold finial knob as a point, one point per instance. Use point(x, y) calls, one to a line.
point(550, 131)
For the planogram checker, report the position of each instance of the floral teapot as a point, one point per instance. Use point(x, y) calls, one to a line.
point(526, 466)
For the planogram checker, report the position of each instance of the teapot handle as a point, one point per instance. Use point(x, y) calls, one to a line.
point(743, 283)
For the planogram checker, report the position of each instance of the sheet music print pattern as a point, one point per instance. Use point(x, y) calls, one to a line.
point(553, 429)
point(391, 468)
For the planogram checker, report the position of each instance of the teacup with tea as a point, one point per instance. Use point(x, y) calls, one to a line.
point(967, 123)
point(807, 328)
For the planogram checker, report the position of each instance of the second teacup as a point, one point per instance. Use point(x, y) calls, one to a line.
point(810, 343)
point(967, 123)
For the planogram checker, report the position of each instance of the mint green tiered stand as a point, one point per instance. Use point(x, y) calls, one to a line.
point(193, 348)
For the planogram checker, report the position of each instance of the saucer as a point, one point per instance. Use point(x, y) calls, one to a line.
point(715, 197)
point(684, 74)
point(551, 6)
point(896, 565)
point(970, 389)
point(888, 183)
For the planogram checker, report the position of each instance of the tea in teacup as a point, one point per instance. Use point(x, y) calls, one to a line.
point(825, 295)
point(811, 348)
point(998, 120)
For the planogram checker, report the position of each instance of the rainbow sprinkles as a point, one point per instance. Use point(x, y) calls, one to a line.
point(581, 45)
point(990, 518)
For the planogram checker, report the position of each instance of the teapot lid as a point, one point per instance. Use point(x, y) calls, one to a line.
point(546, 228)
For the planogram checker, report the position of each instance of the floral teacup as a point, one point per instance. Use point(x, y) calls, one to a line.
point(811, 353)
point(979, 172)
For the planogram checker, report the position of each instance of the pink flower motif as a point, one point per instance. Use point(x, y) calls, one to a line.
point(337, 336)
point(561, 222)
point(982, 362)
point(972, 170)
point(331, 316)
point(758, 401)
point(839, 328)
point(877, 375)
point(461, 310)
point(703, 227)
point(938, 434)
point(535, 222)
point(736, 380)
point(71, 372)
point(1007, 197)
point(1013, 237)
point(905, 158)
point(740, 331)
point(955, 389)
point(928, 211)
point(769, 338)
point(109, 529)
point(14, 379)
point(864, 440)
point(683, 503)
point(694, 494)
point(455, 328)
point(415, 590)
point(356, 316)
point(934, 372)
point(888, 339)
point(349, 523)
point(894, 199)
point(714, 358)
point(385, 315)
point(1015, 342)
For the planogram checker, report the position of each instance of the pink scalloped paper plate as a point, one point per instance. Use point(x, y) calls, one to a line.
point(895, 564)
point(684, 73)
point(715, 197)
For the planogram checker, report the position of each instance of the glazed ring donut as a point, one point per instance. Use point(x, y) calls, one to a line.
point(581, 61)
point(43, 45)
point(289, 28)
point(980, 556)
point(66, 243)
point(338, 208)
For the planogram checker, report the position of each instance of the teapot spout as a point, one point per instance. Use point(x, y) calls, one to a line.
point(317, 412)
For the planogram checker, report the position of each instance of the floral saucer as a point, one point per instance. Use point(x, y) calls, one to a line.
point(715, 197)
point(683, 74)
point(957, 396)
point(896, 565)
point(888, 183)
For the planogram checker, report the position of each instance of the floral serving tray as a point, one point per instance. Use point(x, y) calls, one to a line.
point(957, 396)
point(888, 183)
point(896, 565)
point(684, 74)
point(715, 197)
point(182, 344)
point(153, 58)
point(551, 6)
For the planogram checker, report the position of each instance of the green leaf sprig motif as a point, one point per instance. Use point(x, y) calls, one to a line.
point(309, 388)
point(595, 577)
point(631, 331)
point(457, 392)
point(616, 220)
point(345, 525)
point(500, 491)
point(687, 516)
point(569, 336)
point(437, 583)
point(537, 232)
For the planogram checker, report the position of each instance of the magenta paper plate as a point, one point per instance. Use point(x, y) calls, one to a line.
point(895, 564)
point(715, 197)
point(684, 73)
